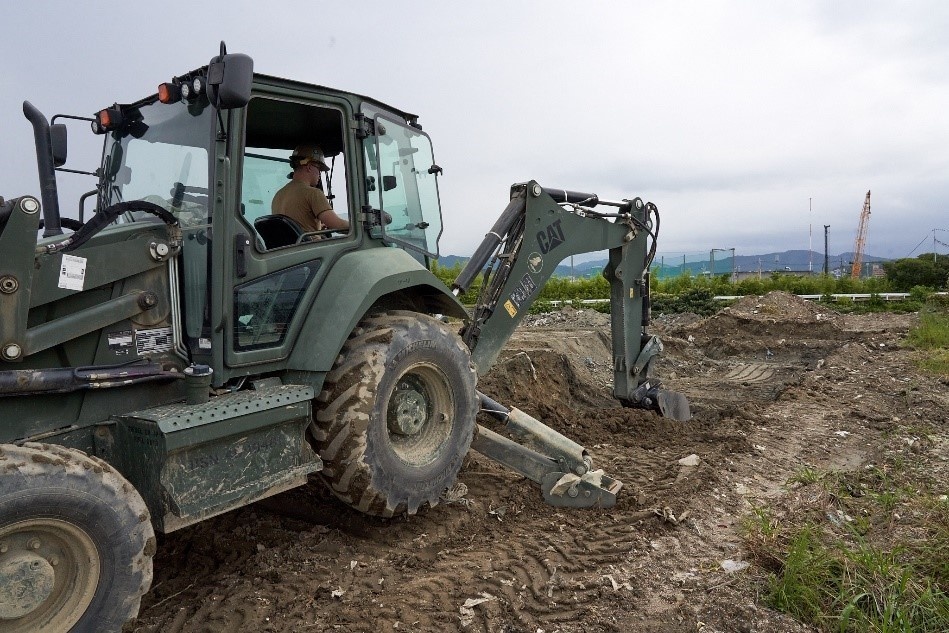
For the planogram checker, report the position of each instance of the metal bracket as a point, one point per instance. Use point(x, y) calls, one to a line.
point(561, 467)
point(653, 347)
point(592, 490)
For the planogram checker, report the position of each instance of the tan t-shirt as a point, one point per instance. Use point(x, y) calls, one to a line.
point(301, 203)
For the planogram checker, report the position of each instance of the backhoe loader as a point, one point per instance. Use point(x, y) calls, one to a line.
point(179, 351)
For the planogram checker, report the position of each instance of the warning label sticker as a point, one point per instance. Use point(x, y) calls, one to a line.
point(523, 291)
point(72, 272)
point(153, 341)
point(121, 343)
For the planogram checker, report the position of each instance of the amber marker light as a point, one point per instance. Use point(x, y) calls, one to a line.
point(109, 119)
point(169, 93)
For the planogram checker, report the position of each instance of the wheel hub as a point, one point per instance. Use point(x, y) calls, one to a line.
point(408, 410)
point(26, 581)
point(49, 571)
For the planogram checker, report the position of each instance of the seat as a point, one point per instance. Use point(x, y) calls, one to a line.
point(277, 230)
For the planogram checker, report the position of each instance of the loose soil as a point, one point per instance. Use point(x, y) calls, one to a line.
point(776, 384)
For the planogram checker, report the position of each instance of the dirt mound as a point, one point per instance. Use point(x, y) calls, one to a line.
point(780, 306)
point(568, 317)
point(776, 327)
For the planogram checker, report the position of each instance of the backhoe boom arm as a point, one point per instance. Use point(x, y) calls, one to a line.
point(541, 227)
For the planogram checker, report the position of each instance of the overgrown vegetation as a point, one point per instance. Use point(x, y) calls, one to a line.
point(929, 270)
point(931, 336)
point(859, 551)
point(688, 293)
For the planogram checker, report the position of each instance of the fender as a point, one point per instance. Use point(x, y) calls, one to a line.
point(358, 281)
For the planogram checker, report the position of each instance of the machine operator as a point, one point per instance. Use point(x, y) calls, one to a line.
point(302, 199)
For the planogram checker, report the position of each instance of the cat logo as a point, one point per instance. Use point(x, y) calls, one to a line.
point(550, 238)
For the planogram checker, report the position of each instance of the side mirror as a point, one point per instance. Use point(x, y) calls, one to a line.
point(389, 183)
point(229, 80)
point(57, 137)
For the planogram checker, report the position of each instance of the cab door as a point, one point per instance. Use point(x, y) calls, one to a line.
point(269, 285)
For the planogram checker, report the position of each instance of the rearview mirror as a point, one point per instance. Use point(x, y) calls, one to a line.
point(57, 137)
point(229, 80)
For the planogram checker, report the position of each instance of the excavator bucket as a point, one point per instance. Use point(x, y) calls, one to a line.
point(673, 405)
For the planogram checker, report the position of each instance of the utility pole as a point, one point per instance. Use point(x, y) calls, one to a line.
point(711, 258)
point(826, 259)
point(734, 275)
point(810, 238)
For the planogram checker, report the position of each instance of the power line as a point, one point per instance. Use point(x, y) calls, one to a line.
point(918, 245)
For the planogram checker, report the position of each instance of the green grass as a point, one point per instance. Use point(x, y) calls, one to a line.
point(862, 552)
point(805, 475)
point(931, 337)
point(932, 331)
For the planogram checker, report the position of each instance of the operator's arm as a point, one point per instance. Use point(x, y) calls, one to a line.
point(332, 221)
point(322, 211)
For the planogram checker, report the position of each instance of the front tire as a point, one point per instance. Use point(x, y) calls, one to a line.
point(399, 413)
point(76, 542)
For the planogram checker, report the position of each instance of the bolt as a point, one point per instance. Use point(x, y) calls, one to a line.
point(12, 351)
point(3, 548)
point(34, 543)
point(53, 561)
point(148, 301)
point(30, 205)
point(581, 470)
point(8, 284)
point(573, 492)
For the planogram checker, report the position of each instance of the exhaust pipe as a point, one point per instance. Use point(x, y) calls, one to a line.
point(44, 164)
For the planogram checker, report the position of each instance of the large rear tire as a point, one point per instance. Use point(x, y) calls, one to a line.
point(76, 542)
point(398, 414)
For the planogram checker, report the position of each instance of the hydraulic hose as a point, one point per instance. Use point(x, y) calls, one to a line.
point(514, 209)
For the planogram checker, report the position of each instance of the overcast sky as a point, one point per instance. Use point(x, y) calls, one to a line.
point(730, 116)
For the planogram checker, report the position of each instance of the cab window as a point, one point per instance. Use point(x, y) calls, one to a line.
point(274, 129)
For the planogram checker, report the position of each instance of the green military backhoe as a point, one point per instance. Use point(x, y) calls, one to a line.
point(182, 351)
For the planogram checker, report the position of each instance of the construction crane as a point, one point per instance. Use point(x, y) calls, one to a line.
point(861, 242)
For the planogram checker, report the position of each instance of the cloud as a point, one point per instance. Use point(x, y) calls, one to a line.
point(731, 116)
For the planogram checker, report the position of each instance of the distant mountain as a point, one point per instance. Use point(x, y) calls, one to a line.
point(795, 260)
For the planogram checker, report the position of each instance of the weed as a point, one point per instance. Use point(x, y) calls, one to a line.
point(806, 475)
point(877, 563)
point(931, 338)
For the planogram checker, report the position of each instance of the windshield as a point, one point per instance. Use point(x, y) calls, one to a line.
point(403, 183)
point(160, 155)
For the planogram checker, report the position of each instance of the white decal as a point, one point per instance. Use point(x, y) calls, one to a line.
point(72, 272)
point(153, 341)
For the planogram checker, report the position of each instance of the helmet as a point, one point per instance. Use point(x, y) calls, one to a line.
point(305, 154)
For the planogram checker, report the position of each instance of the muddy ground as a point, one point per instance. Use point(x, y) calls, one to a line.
point(776, 384)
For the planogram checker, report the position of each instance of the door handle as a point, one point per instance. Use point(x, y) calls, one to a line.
point(241, 242)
